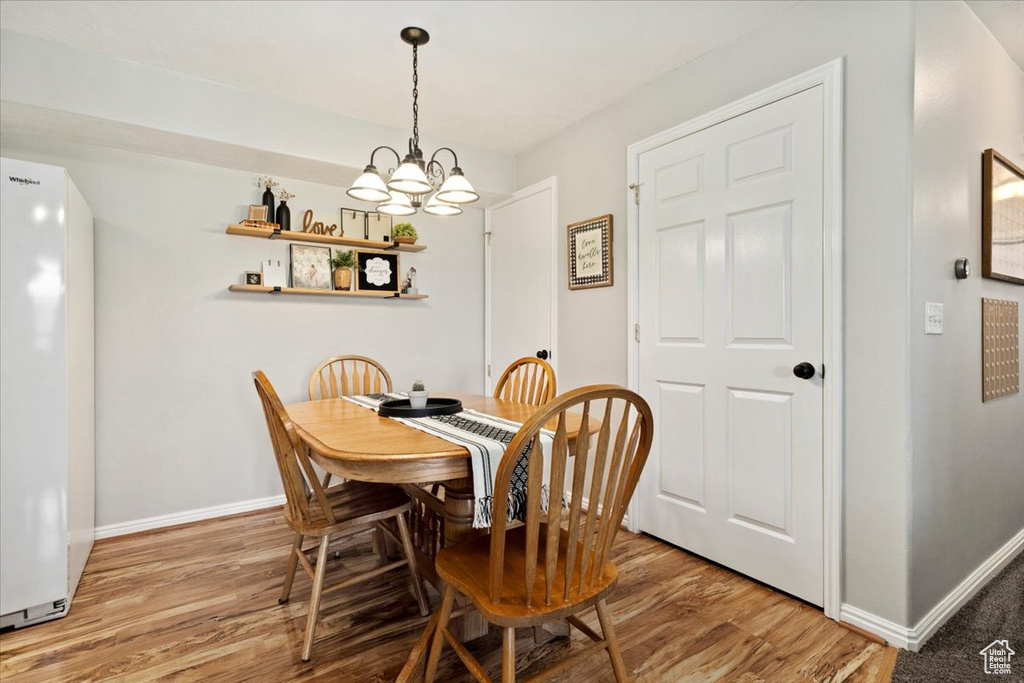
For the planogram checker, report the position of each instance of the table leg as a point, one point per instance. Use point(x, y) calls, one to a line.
point(458, 527)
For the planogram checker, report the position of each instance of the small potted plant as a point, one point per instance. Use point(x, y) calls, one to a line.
point(404, 233)
point(343, 262)
point(418, 395)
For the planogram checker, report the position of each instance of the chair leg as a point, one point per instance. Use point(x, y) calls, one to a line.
point(293, 563)
point(380, 546)
point(442, 623)
point(618, 666)
point(314, 598)
point(508, 655)
point(410, 555)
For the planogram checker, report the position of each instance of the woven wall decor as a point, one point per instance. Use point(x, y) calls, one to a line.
point(1000, 348)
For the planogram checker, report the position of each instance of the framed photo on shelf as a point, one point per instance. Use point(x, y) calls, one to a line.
point(311, 266)
point(253, 278)
point(590, 253)
point(353, 222)
point(1002, 218)
point(377, 272)
point(258, 213)
point(378, 226)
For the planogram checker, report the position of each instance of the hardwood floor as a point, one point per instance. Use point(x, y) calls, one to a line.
point(199, 603)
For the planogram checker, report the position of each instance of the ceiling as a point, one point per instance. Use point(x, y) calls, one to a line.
point(1005, 20)
point(497, 75)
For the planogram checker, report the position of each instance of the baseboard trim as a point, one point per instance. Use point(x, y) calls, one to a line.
point(914, 638)
point(967, 589)
point(149, 523)
point(893, 633)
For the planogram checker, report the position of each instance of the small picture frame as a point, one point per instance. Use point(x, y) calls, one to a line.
point(378, 226)
point(254, 278)
point(275, 273)
point(589, 251)
point(353, 222)
point(378, 272)
point(257, 212)
point(1002, 218)
point(311, 266)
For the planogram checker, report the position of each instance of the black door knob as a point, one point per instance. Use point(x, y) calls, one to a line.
point(803, 370)
point(542, 354)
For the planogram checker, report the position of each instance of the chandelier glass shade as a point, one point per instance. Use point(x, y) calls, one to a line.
point(369, 187)
point(414, 178)
point(436, 207)
point(398, 204)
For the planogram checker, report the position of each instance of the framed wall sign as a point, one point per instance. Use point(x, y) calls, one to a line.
point(311, 266)
point(1002, 218)
point(377, 272)
point(590, 253)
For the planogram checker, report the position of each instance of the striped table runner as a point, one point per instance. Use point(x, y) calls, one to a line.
point(485, 437)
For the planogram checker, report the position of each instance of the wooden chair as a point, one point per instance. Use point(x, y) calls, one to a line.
point(343, 510)
point(345, 376)
point(348, 375)
point(540, 571)
point(527, 380)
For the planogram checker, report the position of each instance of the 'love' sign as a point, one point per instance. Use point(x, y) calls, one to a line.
point(317, 228)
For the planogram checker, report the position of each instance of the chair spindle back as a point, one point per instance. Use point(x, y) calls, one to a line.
point(348, 375)
point(527, 380)
point(297, 473)
point(614, 472)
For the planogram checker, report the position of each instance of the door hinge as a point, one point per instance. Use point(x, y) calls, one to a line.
point(488, 369)
point(636, 193)
point(488, 236)
point(636, 332)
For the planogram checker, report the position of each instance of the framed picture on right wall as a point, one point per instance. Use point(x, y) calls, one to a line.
point(589, 249)
point(1002, 218)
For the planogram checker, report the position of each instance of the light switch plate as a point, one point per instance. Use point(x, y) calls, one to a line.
point(932, 318)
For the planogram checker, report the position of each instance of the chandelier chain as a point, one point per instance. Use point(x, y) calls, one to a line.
point(415, 99)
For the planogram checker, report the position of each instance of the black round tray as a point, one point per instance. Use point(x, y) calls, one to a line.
point(399, 407)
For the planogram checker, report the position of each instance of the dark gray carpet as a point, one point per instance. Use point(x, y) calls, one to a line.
point(996, 612)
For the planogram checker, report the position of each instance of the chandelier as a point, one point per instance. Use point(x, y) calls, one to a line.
point(414, 179)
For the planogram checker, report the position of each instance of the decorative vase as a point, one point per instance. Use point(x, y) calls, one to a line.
point(268, 201)
point(418, 399)
point(343, 278)
point(284, 214)
point(405, 240)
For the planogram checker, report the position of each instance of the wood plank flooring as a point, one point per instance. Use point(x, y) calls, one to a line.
point(199, 603)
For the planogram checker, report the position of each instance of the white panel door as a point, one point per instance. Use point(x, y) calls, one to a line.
point(520, 279)
point(731, 264)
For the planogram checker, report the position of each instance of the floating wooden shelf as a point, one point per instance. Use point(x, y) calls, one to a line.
point(259, 289)
point(297, 236)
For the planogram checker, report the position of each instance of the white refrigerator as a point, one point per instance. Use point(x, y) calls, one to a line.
point(47, 398)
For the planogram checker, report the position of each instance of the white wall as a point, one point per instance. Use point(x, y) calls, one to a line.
point(590, 161)
point(99, 87)
point(968, 490)
point(179, 426)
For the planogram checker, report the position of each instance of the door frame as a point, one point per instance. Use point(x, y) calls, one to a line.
point(830, 77)
point(546, 184)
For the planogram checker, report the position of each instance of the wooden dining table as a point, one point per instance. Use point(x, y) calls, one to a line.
point(350, 441)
